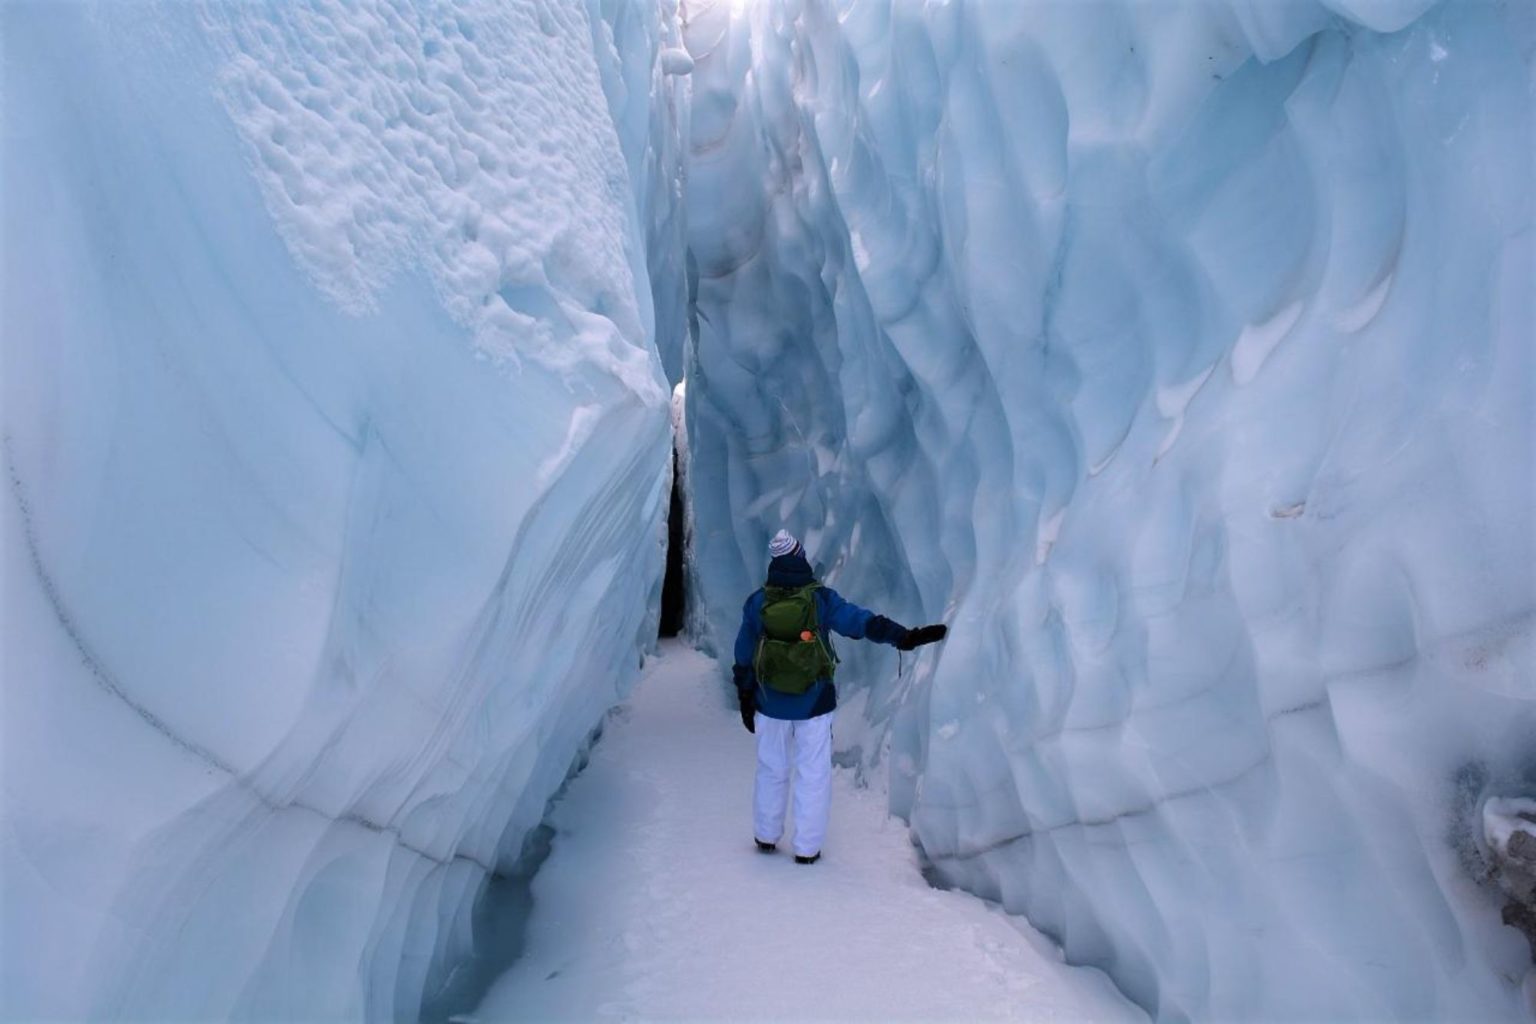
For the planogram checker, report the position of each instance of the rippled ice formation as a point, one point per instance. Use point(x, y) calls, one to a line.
point(337, 443)
point(1180, 357)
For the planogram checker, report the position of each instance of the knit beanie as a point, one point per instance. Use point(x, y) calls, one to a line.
point(783, 543)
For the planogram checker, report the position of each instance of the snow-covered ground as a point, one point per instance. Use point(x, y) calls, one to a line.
point(654, 905)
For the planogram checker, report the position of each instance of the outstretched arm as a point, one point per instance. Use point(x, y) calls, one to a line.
point(845, 617)
point(850, 620)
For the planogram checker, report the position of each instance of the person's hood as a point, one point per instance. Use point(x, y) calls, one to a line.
point(790, 571)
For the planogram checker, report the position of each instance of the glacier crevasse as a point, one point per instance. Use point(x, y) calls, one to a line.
point(1179, 356)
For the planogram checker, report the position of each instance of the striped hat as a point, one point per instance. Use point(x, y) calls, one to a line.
point(783, 543)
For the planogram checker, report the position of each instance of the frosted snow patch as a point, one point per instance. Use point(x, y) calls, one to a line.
point(583, 419)
point(1356, 317)
point(1171, 403)
point(1257, 341)
point(476, 144)
point(676, 61)
point(1045, 536)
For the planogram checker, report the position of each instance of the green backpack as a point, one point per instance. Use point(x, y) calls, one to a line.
point(784, 661)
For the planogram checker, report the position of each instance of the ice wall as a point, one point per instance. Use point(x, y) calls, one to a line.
point(1179, 356)
point(337, 444)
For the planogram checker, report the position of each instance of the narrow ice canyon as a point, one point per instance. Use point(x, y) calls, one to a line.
point(1179, 356)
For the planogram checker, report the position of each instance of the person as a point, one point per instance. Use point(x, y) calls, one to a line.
point(783, 675)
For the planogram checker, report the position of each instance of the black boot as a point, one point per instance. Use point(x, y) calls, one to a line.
point(763, 847)
point(812, 859)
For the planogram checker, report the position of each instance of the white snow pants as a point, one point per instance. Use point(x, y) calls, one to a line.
point(805, 747)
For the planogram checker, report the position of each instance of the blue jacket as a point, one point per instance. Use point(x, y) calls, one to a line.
point(832, 612)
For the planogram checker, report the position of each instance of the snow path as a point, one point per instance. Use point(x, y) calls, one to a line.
point(654, 904)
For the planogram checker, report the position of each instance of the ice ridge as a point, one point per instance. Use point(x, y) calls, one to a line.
point(337, 438)
point(1179, 357)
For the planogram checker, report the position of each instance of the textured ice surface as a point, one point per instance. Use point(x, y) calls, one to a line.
point(1179, 356)
point(337, 443)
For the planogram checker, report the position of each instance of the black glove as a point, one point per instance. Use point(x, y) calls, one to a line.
point(921, 635)
point(748, 708)
point(746, 692)
point(883, 631)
